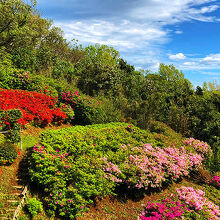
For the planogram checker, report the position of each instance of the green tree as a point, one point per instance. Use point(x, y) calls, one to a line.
point(98, 70)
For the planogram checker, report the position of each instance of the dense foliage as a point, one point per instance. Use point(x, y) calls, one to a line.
point(75, 165)
point(34, 206)
point(35, 107)
point(9, 122)
point(186, 203)
point(35, 55)
point(8, 153)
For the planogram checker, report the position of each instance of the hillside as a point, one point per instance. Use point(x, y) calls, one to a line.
point(84, 135)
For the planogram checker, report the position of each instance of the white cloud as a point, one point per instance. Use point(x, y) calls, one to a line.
point(170, 12)
point(139, 30)
point(209, 64)
point(178, 56)
point(211, 59)
point(142, 24)
point(189, 63)
point(178, 32)
point(123, 35)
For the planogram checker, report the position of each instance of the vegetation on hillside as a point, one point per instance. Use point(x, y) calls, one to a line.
point(131, 131)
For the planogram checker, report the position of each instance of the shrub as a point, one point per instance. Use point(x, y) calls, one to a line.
point(215, 181)
point(201, 147)
point(165, 136)
point(2, 138)
point(187, 203)
point(34, 206)
point(9, 122)
point(85, 111)
point(8, 153)
point(35, 107)
point(74, 165)
point(167, 208)
point(195, 200)
point(69, 112)
point(147, 166)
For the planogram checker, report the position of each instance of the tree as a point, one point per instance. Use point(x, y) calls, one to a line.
point(98, 71)
point(14, 16)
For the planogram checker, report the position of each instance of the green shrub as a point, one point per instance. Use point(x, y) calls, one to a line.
point(2, 138)
point(105, 137)
point(69, 112)
point(8, 121)
point(34, 206)
point(69, 166)
point(76, 164)
point(8, 153)
point(107, 112)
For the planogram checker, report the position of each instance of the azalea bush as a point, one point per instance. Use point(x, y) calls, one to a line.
point(215, 181)
point(8, 153)
point(74, 165)
point(69, 112)
point(69, 184)
point(203, 149)
point(168, 208)
point(147, 166)
point(9, 124)
point(187, 203)
point(195, 200)
point(38, 108)
point(83, 107)
point(200, 146)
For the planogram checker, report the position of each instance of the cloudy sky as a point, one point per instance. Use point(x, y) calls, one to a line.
point(185, 33)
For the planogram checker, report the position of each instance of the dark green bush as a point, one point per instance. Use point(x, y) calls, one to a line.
point(8, 153)
point(8, 121)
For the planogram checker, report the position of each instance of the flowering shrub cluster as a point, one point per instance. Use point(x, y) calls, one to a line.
point(195, 200)
point(168, 208)
point(149, 166)
point(69, 183)
point(79, 163)
point(215, 181)
point(35, 107)
point(83, 107)
point(188, 202)
point(201, 147)
point(68, 110)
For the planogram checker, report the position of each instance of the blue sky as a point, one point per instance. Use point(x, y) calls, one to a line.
point(185, 33)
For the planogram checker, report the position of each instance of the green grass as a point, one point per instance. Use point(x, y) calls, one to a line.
point(28, 141)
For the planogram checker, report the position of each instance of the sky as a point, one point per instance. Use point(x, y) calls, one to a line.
point(185, 33)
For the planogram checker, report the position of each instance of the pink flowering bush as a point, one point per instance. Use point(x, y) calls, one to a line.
point(84, 108)
point(188, 203)
point(167, 208)
point(149, 166)
point(201, 147)
point(195, 200)
point(215, 181)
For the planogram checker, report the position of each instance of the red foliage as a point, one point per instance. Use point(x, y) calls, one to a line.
point(34, 106)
